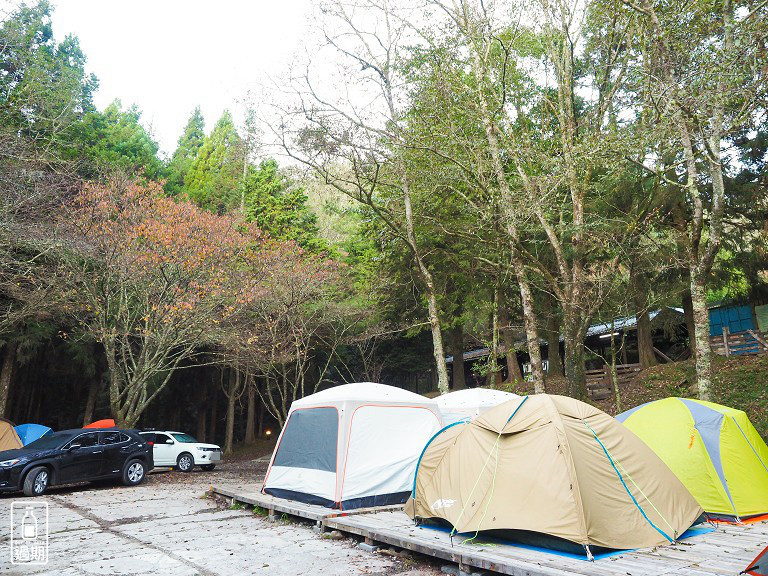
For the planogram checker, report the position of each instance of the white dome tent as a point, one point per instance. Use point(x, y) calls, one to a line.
point(470, 403)
point(352, 446)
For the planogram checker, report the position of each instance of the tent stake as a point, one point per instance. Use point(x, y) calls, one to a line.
point(589, 553)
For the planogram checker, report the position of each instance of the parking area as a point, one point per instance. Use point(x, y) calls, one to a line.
point(168, 526)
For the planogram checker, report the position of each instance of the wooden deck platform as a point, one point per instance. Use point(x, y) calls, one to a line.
point(726, 550)
point(291, 507)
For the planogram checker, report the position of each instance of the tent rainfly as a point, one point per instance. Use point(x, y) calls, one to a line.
point(109, 423)
point(351, 446)
point(714, 450)
point(759, 566)
point(551, 471)
point(31, 432)
point(9, 439)
point(470, 403)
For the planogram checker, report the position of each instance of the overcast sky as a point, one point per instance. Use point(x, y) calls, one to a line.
point(168, 56)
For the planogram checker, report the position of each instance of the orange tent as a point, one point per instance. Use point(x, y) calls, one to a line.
point(759, 566)
point(102, 424)
point(9, 439)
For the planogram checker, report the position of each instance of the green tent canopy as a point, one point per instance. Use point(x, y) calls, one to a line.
point(714, 450)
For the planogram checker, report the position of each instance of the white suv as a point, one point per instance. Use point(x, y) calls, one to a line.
point(181, 450)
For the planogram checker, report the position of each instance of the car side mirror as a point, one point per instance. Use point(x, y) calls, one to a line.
point(169, 441)
point(73, 447)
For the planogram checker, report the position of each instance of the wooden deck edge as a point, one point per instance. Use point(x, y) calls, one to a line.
point(307, 511)
point(457, 555)
point(361, 511)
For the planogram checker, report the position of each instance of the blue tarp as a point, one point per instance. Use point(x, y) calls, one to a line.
point(484, 541)
point(31, 432)
point(736, 318)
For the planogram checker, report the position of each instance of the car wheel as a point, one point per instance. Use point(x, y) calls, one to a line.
point(36, 481)
point(133, 473)
point(185, 462)
point(208, 467)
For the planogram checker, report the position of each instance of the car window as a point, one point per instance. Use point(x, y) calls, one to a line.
point(186, 438)
point(113, 437)
point(161, 438)
point(48, 441)
point(147, 436)
point(90, 439)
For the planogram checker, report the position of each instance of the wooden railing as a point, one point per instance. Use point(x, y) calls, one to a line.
point(600, 384)
point(739, 343)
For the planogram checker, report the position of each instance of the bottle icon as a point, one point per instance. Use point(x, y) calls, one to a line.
point(29, 525)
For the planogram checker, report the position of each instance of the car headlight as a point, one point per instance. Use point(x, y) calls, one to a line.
point(9, 463)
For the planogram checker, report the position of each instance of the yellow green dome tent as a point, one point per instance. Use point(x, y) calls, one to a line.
point(714, 450)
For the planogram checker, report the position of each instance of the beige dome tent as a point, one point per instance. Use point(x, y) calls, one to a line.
point(553, 466)
point(9, 440)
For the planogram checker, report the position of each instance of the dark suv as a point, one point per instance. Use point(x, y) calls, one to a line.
point(77, 455)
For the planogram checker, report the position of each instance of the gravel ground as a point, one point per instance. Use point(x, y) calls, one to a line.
point(168, 526)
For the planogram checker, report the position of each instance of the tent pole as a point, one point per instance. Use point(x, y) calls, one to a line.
point(589, 553)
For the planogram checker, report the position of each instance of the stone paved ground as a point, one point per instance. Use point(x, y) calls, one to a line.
point(166, 526)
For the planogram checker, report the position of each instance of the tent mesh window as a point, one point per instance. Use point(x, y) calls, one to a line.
point(310, 440)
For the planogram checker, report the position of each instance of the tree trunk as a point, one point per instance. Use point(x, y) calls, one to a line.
point(438, 350)
point(574, 366)
point(201, 421)
point(202, 403)
point(701, 321)
point(531, 332)
point(437, 337)
point(554, 359)
point(690, 325)
point(494, 370)
point(261, 420)
point(31, 401)
point(213, 399)
point(6, 376)
point(514, 374)
point(176, 417)
point(90, 403)
point(552, 331)
point(508, 202)
point(232, 395)
point(646, 356)
point(614, 373)
point(457, 348)
point(250, 429)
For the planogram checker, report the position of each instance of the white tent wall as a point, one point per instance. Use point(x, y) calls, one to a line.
point(384, 463)
point(380, 434)
point(470, 403)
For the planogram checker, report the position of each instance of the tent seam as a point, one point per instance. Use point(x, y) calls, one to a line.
point(573, 478)
point(424, 450)
point(634, 500)
point(749, 443)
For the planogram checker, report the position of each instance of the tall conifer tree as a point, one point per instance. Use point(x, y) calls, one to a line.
point(190, 142)
point(214, 177)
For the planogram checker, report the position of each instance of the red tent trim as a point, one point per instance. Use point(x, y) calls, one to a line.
point(758, 566)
